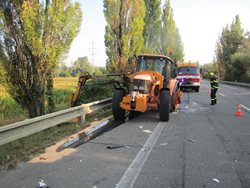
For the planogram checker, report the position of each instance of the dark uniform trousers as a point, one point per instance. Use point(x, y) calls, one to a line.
point(213, 95)
point(214, 87)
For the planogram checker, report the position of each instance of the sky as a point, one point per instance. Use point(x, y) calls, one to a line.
point(200, 23)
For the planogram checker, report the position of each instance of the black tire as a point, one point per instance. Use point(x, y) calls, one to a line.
point(133, 114)
point(197, 89)
point(118, 112)
point(164, 108)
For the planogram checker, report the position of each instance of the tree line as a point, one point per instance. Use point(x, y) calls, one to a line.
point(139, 26)
point(232, 53)
point(36, 35)
point(80, 67)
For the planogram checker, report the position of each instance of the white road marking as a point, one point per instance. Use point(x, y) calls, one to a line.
point(248, 109)
point(133, 171)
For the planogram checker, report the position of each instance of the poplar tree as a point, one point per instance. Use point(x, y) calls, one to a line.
point(171, 44)
point(34, 36)
point(124, 31)
point(152, 28)
point(230, 42)
point(178, 47)
point(168, 29)
point(218, 59)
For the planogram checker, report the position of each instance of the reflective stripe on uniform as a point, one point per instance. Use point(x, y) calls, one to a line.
point(214, 81)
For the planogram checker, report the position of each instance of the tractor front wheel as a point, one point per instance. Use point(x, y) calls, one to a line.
point(118, 112)
point(164, 108)
point(133, 114)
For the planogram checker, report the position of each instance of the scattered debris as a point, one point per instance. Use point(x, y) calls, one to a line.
point(141, 127)
point(190, 140)
point(216, 180)
point(147, 131)
point(163, 144)
point(115, 146)
point(42, 184)
point(186, 107)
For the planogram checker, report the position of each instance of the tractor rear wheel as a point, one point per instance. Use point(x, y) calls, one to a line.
point(164, 108)
point(118, 112)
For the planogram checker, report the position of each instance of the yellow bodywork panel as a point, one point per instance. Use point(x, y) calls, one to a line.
point(140, 103)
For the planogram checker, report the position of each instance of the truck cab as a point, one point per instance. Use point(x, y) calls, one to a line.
point(189, 77)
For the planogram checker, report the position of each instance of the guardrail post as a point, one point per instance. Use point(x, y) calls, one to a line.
point(82, 119)
point(85, 110)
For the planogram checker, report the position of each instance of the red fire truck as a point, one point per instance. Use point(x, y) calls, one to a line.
point(189, 76)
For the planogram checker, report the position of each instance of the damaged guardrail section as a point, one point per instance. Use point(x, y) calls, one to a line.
point(25, 128)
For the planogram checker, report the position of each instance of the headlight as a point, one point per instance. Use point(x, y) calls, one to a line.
point(142, 86)
point(133, 94)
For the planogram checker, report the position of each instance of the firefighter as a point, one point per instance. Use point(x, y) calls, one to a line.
point(214, 87)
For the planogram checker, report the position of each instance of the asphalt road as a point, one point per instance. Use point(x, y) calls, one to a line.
point(201, 146)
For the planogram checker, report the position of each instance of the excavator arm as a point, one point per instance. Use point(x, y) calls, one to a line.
point(81, 81)
point(101, 80)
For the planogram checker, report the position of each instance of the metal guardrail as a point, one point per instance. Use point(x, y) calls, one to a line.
point(236, 83)
point(24, 128)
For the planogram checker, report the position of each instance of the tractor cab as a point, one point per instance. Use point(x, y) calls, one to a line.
point(159, 63)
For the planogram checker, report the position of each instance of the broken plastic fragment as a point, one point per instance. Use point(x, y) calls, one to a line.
point(190, 140)
point(42, 184)
point(216, 180)
point(147, 131)
point(163, 144)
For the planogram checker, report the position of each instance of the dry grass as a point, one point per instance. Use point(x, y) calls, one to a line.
point(2, 91)
point(66, 83)
point(11, 112)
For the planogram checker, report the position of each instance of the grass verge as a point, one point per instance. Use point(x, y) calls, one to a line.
point(24, 149)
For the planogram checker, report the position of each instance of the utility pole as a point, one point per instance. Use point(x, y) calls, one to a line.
point(92, 54)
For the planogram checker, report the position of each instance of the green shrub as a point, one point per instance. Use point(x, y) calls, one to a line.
point(9, 109)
